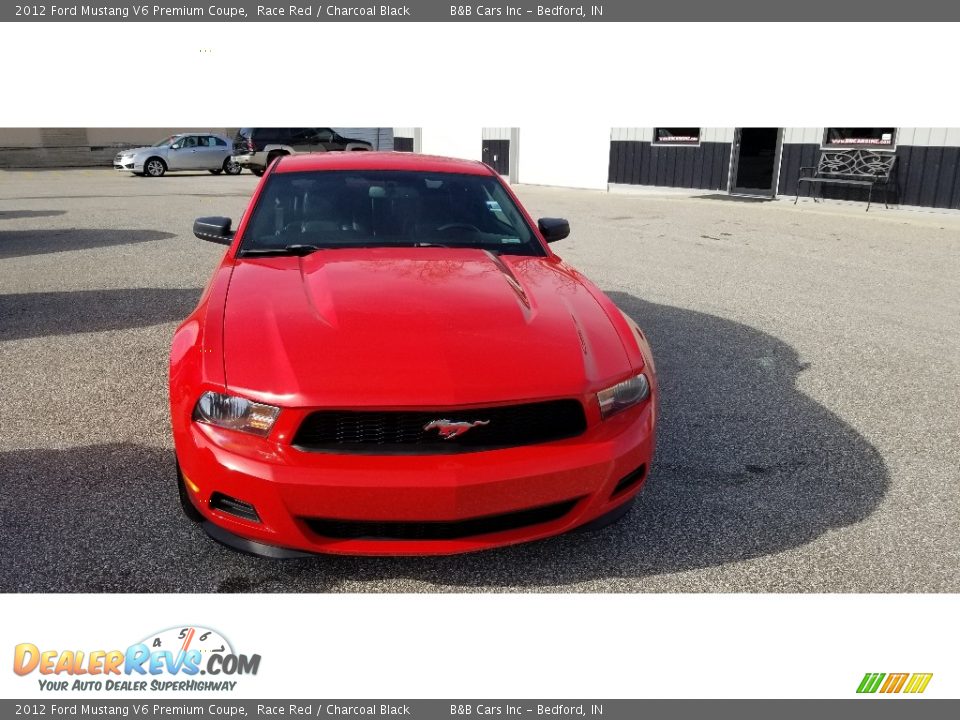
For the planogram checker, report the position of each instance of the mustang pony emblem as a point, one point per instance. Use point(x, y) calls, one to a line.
point(449, 429)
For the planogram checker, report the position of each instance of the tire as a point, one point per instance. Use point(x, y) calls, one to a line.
point(154, 167)
point(273, 156)
point(215, 172)
point(258, 171)
point(193, 515)
point(230, 167)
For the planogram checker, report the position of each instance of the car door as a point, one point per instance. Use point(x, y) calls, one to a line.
point(221, 149)
point(209, 155)
point(184, 154)
point(305, 140)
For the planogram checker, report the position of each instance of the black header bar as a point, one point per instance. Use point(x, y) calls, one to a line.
point(492, 11)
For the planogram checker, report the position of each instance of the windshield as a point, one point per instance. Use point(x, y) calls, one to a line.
point(166, 141)
point(373, 208)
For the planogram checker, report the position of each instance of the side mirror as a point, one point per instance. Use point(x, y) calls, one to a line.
point(214, 229)
point(553, 229)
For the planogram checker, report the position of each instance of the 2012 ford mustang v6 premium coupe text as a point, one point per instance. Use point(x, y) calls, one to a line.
point(390, 360)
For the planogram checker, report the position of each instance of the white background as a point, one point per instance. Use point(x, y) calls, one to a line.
point(553, 79)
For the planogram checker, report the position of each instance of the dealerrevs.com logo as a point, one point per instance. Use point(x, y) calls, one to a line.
point(178, 659)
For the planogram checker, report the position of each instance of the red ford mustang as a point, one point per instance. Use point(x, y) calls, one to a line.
point(390, 360)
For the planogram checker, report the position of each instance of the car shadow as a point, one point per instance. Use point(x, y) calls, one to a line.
point(746, 466)
point(25, 315)
point(19, 243)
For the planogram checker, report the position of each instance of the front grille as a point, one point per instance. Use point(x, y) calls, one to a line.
point(403, 432)
point(437, 530)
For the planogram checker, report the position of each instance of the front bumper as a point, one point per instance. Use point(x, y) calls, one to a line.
point(428, 504)
point(127, 165)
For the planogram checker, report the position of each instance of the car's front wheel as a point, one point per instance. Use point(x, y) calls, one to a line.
point(154, 167)
point(231, 167)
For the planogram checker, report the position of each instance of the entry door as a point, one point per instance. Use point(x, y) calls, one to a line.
point(755, 161)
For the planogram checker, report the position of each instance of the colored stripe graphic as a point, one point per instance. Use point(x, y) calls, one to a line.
point(870, 682)
point(894, 683)
point(918, 682)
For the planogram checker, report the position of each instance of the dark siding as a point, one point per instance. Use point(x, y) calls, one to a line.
point(403, 144)
point(499, 149)
point(924, 176)
point(639, 163)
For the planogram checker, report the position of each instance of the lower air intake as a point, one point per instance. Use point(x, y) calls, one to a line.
point(437, 530)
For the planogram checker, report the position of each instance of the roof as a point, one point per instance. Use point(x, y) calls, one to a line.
point(366, 160)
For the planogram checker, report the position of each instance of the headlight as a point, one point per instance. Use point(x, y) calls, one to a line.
point(623, 395)
point(235, 413)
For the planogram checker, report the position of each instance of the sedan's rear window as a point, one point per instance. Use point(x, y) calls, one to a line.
point(342, 209)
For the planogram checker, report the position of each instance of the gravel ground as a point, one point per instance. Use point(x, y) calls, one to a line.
point(809, 360)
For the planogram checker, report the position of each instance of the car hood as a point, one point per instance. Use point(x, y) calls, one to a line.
point(162, 150)
point(414, 328)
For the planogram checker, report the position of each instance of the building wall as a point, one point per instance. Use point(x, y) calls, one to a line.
point(927, 167)
point(634, 160)
point(553, 156)
point(458, 142)
point(927, 170)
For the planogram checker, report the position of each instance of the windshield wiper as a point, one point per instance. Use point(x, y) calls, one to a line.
point(298, 250)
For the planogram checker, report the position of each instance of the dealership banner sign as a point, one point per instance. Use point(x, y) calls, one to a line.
point(495, 11)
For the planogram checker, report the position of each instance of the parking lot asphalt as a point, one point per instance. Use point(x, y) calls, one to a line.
point(809, 361)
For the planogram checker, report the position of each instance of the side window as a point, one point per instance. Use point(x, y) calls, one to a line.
point(189, 142)
point(323, 134)
point(217, 142)
point(301, 135)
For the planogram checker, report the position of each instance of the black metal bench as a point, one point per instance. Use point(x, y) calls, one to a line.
point(851, 167)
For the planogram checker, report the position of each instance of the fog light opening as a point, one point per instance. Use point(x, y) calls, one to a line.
point(629, 481)
point(232, 506)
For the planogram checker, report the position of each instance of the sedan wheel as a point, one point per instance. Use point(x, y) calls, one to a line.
point(231, 168)
point(154, 167)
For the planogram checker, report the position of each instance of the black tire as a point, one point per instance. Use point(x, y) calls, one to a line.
point(193, 515)
point(230, 167)
point(258, 171)
point(154, 167)
point(609, 519)
point(215, 172)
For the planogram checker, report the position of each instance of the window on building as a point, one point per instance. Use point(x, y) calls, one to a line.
point(860, 137)
point(676, 136)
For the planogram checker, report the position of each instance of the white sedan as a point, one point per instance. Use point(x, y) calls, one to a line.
point(186, 151)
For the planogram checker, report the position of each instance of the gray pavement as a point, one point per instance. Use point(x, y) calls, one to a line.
point(810, 368)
